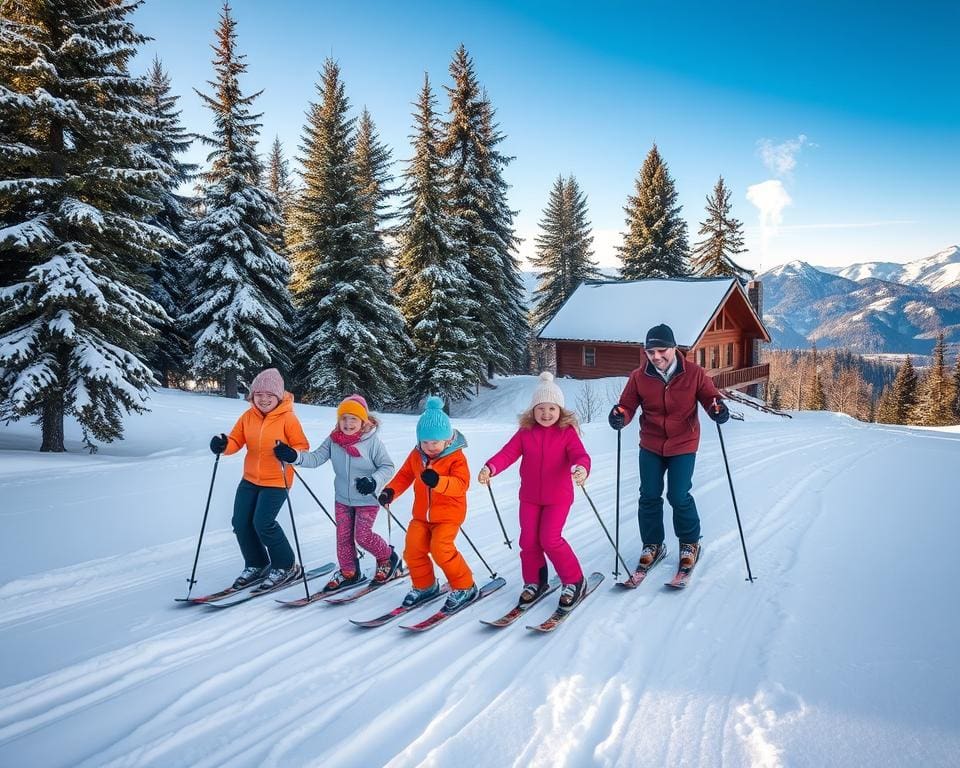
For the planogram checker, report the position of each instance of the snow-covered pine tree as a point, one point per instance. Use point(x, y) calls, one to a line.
point(476, 203)
point(353, 337)
point(374, 177)
point(935, 393)
point(76, 194)
point(430, 280)
point(723, 239)
point(240, 313)
point(280, 185)
point(170, 351)
point(564, 253)
point(655, 243)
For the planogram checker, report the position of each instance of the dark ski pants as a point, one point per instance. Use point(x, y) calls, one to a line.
point(259, 535)
point(679, 471)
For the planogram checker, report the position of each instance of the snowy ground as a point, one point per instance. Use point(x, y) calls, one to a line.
point(818, 663)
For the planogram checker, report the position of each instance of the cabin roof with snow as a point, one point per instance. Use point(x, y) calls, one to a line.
point(620, 312)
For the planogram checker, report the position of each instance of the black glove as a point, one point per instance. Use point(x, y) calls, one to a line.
point(218, 443)
point(366, 485)
point(617, 418)
point(720, 414)
point(386, 496)
point(285, 453)
point(430, 478)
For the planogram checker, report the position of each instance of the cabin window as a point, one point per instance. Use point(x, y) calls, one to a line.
point(702, 357)
point(715, 357)
point(730, 355)
point(590, 357)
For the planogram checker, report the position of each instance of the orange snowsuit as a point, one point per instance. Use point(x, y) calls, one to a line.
point(260, 432)
point(438, 514)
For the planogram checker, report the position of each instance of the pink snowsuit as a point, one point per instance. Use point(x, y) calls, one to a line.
point(546, 494)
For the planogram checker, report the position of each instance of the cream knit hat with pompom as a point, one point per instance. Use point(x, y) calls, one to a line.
point(547, 391)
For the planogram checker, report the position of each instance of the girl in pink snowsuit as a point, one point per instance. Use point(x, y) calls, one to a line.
point(552, 454)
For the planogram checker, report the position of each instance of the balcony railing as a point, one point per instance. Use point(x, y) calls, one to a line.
point(742, 377)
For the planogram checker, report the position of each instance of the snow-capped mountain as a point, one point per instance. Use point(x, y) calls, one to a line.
point(803, 305)
point(939, 272)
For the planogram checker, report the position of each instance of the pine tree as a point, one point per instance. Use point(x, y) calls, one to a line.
point(956, 387)
point(241, 312)
point(714, 255)
point(904, 393)
point(564, 253)
point(170, 351)
point(373, 160)
point(887, 408)
point(655, 243)
point(75, 196)
point(816, 398)
point(775, 401)
point(935, 395)
point(353, 338)
point(431, 282)
point(279, 183)
point(477, 203)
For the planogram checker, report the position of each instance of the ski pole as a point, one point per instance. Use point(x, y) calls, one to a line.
point(600, 519)
point(506, 539)
point(319, 503)
point(193, 574)
point(733, 496)
point(392, 516)
point(616, 545)
point(293, 524)
point(492, 574)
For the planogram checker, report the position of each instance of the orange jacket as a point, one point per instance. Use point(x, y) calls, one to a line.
point(447, 503)
point(260, 432)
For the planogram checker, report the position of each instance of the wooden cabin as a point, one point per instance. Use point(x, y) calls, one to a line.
point(599, 331)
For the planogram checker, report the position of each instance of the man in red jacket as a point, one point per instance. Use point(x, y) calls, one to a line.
point(666, 391)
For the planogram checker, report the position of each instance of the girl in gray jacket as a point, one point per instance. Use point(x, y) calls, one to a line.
point(361, 467)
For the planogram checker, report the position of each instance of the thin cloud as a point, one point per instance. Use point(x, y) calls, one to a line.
point(781, 159)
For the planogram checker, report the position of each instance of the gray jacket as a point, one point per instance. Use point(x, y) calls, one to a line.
point(373, 461)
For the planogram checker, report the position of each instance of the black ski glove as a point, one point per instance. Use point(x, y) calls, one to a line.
point(430, 478)
point(617, 418)
point(720, 413)
point(218, 443)
point(366, 485)
point(386, 496)
point(285, 453)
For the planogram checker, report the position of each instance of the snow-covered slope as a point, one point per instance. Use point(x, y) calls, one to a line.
point(841, 653)
point(935, 273)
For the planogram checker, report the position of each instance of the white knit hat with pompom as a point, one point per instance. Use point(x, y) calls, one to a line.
point(546, 391)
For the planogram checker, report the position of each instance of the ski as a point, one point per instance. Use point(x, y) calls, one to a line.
point(682, 577)
point(641, 571)
point(373, 586)
point(320, 594)
point(218, 595)
point(440, 616)
point(243, 597)
point(515, 613)
point(398, 611)
point(561, 615)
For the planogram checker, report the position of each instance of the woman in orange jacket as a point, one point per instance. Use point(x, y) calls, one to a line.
point(438, 471)
point(267, 555)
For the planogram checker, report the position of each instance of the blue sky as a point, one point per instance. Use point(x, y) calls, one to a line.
point(839, 121)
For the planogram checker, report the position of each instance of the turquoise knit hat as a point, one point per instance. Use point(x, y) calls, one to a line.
point(434, 424)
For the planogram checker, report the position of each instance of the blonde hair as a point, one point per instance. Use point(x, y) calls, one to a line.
point(567, 419)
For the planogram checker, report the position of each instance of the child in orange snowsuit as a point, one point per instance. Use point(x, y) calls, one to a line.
point(438, 471)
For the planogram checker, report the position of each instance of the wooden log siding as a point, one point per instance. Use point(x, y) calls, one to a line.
point(609, 359)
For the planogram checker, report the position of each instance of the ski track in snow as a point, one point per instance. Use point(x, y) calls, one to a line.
point(647, 677)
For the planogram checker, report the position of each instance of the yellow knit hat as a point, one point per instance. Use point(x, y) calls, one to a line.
point(355, 405)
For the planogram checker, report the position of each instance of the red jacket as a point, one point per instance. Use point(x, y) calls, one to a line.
point(669, 425)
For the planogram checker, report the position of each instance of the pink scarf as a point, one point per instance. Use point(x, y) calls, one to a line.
point(347, 442)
